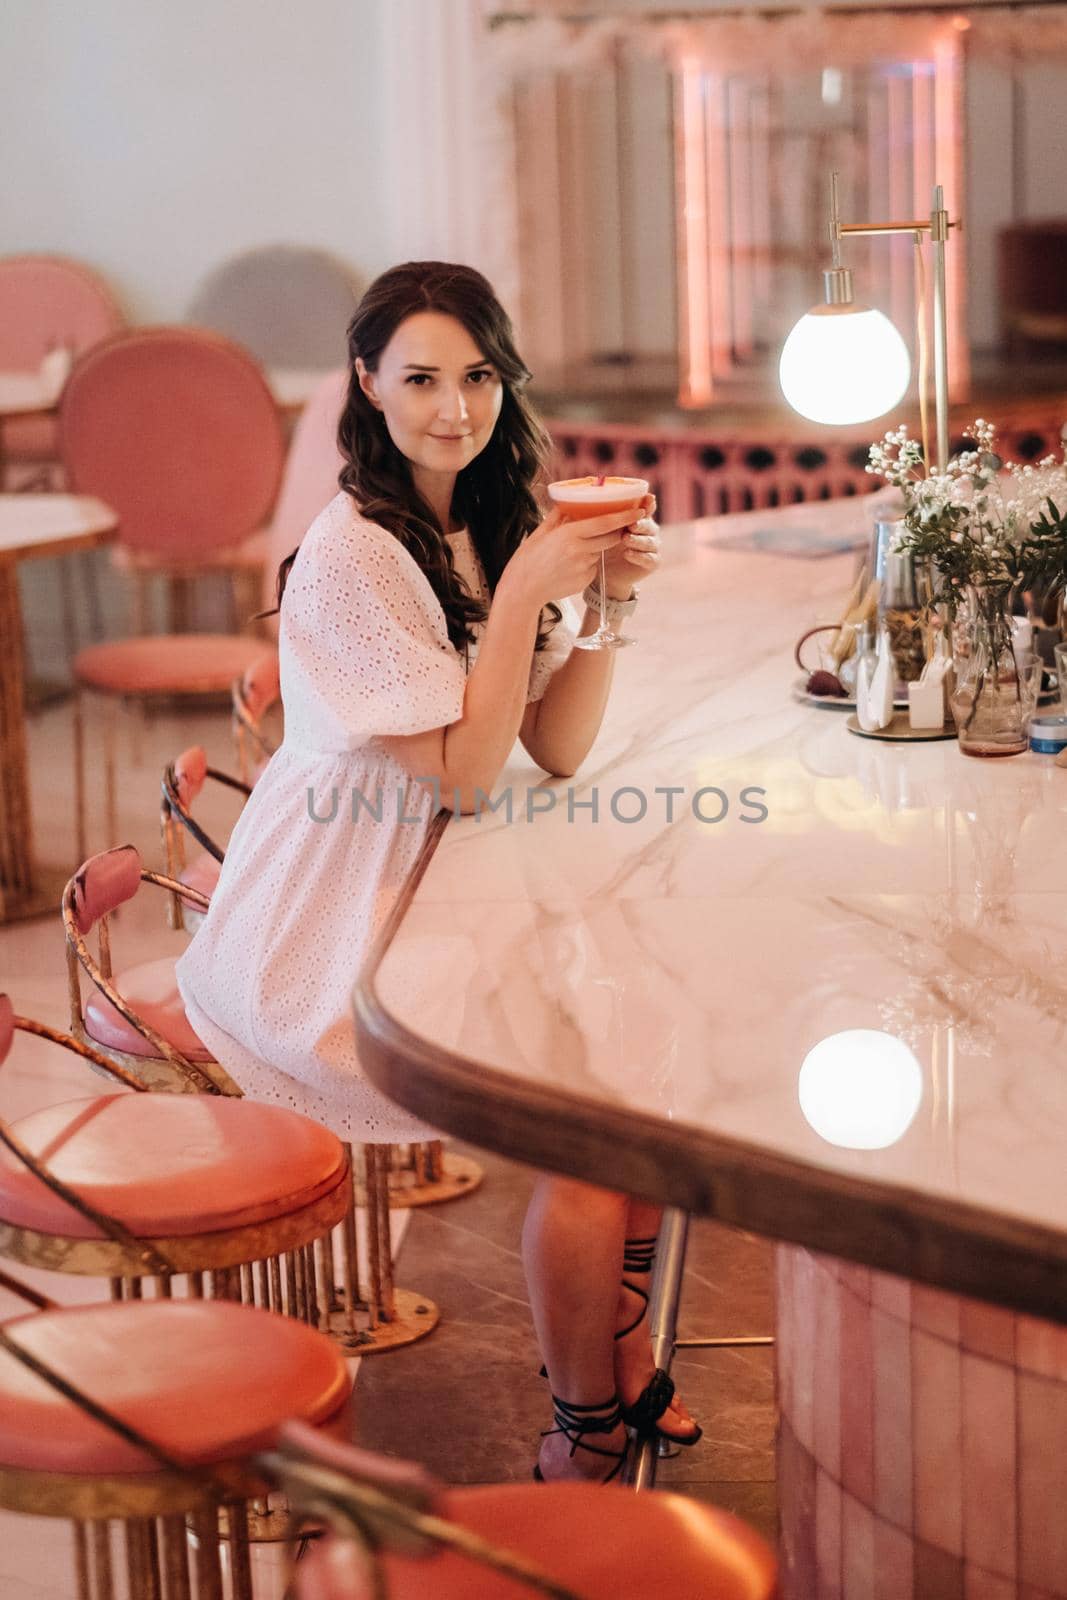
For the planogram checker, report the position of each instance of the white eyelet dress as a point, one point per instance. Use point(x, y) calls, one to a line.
point(268, 977)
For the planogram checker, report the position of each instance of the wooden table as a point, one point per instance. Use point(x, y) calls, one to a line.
point(31, 526)
point(633, 1001)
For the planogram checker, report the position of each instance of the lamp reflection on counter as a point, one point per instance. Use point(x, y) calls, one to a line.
point(845, 362)
point(860, 1089)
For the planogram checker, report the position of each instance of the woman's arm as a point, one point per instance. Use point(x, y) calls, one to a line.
point(558, 730)
point(465, 758)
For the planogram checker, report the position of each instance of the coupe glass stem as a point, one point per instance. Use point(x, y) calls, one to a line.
point(603, 594)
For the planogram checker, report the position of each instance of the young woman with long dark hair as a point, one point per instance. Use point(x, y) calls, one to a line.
point(424, 626)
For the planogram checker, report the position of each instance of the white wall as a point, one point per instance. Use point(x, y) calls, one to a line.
point(156, 138)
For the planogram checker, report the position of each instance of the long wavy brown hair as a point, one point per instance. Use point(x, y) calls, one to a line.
point(494, 494)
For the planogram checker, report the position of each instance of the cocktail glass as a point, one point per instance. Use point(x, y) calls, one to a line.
point(577, 498)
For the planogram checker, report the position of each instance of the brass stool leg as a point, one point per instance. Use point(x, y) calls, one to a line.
point(175, 1551)
point(80, 828)
point(373, 1314)
point(241, 1572)
point(142, 1563)
point(424, 1175)
point(81, 1561)
point(208, 1564)
point(92, 1561)
point(102, 1566)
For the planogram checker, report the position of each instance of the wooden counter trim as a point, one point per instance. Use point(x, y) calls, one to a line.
point(961, 1248)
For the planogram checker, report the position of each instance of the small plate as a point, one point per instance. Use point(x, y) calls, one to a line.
point(829, 702)
point(900, 731)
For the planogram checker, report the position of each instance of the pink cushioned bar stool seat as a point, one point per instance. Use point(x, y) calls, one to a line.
point(135, 1184)
point(206, 1383)
point(151, 990)
point(169, 1164)
point(599, 1543)
point(186, 1381)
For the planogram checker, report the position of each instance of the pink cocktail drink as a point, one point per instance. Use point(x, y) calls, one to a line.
point(578, 498)
point(596, 497)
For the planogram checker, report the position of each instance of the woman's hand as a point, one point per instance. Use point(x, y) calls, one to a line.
point(637, 555)
point(560, 557)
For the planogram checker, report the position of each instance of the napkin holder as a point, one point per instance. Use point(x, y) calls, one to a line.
point(875, 681)
point(928, 696)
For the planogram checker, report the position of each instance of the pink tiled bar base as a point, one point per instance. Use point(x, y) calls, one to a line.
point(922, 1449)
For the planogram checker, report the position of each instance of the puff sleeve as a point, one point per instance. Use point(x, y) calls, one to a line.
point(363, 643)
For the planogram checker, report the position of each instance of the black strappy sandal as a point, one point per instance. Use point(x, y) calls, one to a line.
point(639, 1256)
point(574, 1422)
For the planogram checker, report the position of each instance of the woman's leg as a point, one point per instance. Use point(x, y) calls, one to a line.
point(572, 1244)
point(634, 1365)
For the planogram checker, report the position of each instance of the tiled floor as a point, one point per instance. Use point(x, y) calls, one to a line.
point(467, 1401)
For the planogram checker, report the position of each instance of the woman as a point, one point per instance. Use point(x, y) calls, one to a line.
point(421, 632)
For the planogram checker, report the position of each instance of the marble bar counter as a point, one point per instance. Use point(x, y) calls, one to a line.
point(810, 984)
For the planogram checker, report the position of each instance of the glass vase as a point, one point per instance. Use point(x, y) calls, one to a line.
point(996, 688)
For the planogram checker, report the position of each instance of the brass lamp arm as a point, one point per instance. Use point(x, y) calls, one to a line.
point(869, 229)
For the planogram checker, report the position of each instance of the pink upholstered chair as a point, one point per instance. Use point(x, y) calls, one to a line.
point(182, 785)
point(177, 429)
point(164, 1409)
point(288, 303)
point(130, 1186)
point(136, 1018)
point(561, 1539)
point(47, 301)
point(310, 481)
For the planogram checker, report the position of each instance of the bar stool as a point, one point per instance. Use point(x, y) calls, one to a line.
point(254, 695)
point(142, 1414)
point(136, 1187)
point(182, 784)
point(501, 1541)
point(136, 1018)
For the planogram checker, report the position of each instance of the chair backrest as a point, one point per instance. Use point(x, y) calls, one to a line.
point(47, 301)
point(310, 480)
point(289, 304)
point(182, 783)
point(102, 884)
point(177, 430)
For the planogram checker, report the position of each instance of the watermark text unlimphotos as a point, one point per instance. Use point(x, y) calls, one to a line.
point(667, 803)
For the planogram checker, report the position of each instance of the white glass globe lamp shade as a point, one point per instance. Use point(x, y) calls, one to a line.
point(860, 1089)
point(844, 363)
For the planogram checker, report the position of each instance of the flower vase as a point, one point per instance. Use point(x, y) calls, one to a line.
point(996, 688)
